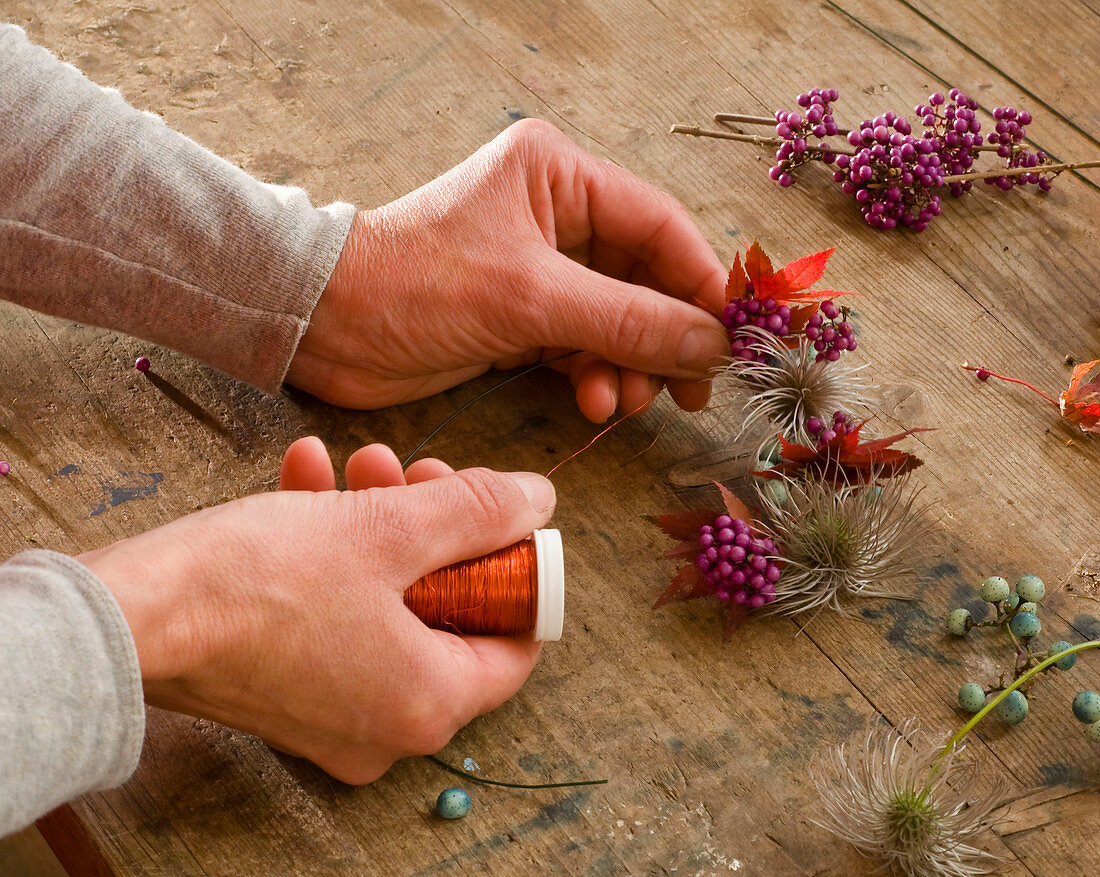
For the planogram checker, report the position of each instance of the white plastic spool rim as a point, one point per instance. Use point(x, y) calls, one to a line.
point(550, 557)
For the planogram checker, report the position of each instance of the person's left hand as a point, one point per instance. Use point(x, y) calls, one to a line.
point(528, 248)
point(307, 466)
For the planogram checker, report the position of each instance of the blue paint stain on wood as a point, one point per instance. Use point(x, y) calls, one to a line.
point(1062, 774)
point(516, 115)
point(944, 569)
point(530, 762)
point(529, 47)
point(918, 631)
point(145, 485)
point(1088, 625)
point(66, 471)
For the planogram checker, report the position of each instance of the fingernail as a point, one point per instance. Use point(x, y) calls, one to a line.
point(538, 490)
point(700, 349)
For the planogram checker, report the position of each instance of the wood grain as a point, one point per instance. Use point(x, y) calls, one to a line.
point(706, 744)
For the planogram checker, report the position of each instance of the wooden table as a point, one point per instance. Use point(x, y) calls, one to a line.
point(706, 744)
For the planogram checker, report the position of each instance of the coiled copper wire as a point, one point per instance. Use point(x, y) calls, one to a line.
point(494, 594)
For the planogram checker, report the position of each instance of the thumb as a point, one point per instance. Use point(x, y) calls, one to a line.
point(629, 325)
point(464, 515)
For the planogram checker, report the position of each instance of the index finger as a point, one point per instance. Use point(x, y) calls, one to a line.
point(634, 216)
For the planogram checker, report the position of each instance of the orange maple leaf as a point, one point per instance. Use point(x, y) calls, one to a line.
point(1080, 403)
point(789, 286)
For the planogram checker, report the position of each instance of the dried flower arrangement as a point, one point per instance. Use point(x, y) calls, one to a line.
point(894, 172)
point(836, 518)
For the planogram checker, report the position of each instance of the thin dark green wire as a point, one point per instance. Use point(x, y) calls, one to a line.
point(486, 782)
point(481, 396)
point(436, 761)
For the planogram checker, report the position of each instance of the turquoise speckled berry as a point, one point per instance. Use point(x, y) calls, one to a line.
point(1068, 661)
point(1013, 709)
point(1030, 588)
point(995, 589)
point(1025, 624)
point(452, 803)
point(1092, 732)
point(1086, 706)
point(958, 621)
point(1029, 607)
point(971, 697)
point(777, 490)
point(1012, 602)
point(769, 454)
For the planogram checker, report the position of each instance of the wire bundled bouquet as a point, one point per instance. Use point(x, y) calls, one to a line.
point(835, 518)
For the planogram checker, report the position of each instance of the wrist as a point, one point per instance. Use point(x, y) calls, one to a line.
point(159, 588)
point(329, 331)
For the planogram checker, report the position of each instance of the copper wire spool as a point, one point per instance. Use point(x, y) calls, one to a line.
point(518, 589)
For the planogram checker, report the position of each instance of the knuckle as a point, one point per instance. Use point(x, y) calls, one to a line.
point(482, 503)
point(356, 772)
point(427, 727)
point(526, 132)
point(639, 329)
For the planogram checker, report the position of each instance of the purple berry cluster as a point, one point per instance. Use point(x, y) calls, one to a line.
point(766, 314)
point(740, 566)
point(830, 334)
point(1008, 136)
point(955, 129)
point(842, 425)
point(893, 175)
point(795, 128)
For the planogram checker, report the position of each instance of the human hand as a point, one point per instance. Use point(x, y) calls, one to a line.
point(529, 248)
point(281, 614)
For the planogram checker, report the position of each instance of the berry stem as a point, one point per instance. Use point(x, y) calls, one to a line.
point(696, 131)
point(957, 737)
point(742, 119)
point(977, 368)
point(1017, 171)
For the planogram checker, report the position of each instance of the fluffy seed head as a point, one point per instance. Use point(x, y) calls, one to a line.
point(897, 801)
point(843, 543)
point(788, 387)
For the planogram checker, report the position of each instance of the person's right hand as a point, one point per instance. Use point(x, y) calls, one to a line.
point(528, 248)
point(282, 615)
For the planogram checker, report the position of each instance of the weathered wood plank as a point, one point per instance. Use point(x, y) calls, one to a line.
point(707, 745)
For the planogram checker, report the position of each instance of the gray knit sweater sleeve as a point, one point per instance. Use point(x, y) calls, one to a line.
point(71, 712)
point(109, 217)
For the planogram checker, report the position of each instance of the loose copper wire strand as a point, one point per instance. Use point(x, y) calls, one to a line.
point(495, 594)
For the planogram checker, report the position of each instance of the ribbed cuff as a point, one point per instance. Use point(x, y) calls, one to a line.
point(72, 715)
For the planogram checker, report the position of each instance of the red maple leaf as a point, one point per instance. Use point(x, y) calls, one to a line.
point(843, 460)
point(689, 583)
point(789, 286)
point(1080, 403)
